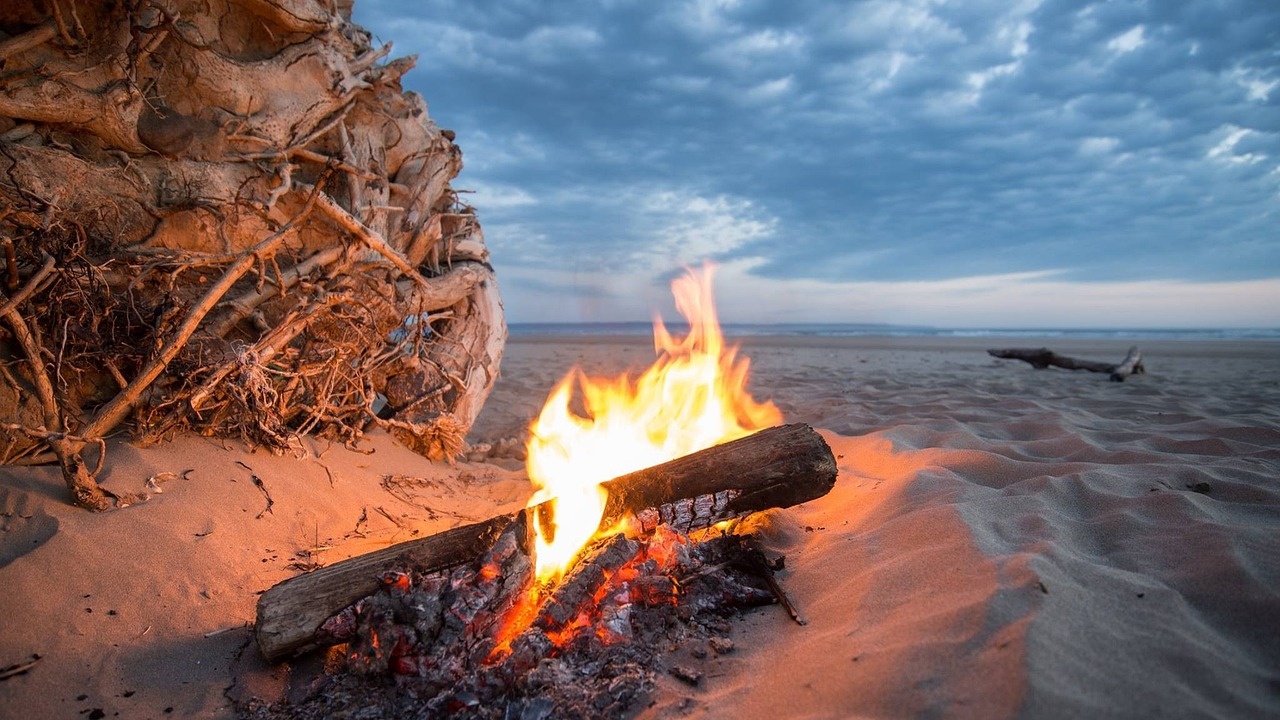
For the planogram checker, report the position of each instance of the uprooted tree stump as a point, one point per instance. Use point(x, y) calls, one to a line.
point(227, 216)
point(1041, 358)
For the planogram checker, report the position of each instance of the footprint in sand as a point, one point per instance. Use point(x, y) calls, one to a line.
point(22, 528)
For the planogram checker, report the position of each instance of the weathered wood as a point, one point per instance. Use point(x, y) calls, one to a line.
point(290, 613)
point(1041, 358)
point(1131, 365)
point(774, 468)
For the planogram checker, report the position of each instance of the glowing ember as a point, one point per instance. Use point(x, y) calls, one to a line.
point(692, 397)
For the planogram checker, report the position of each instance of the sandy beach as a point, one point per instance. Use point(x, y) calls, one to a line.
point(1001, 542)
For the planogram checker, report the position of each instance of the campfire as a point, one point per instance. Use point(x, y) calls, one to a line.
point(693, 397)
point(626, 551)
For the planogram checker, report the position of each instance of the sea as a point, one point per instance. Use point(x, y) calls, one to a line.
point(867, 329)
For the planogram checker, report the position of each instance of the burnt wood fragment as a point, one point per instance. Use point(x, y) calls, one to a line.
point(580, 587)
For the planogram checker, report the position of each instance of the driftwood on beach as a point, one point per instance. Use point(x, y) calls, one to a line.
point(228, 216)
point(1041, 358)
point(774, 468)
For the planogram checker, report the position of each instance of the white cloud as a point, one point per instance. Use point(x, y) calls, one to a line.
point(767, 42)
point(518, 245)
point(1256, 87)
point(766, 46)
point(769, 90)
point(1030, 299)
point(650, 231)
point(452, 45)
point(550, 43)
point(1018, 35)
point(1128, 41)
point(1261, 90)
point(873, 73)
point(951, 102)
point(706, 17)
point(484, 151)
point(689, 228)
point(1098, 145)
point(499, 196)
point(895, 24)
point(958, 69)
point(457, 46)
point(1225, 149)
point(978, 80)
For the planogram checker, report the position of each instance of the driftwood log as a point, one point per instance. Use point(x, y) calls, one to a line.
point(774, 468)
point(1041, 358)
point(226, 215)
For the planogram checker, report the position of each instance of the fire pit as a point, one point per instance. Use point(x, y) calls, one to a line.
point(570, 608)
point(435, 646)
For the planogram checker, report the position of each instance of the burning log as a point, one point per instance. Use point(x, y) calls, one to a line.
point(775, 468)
point(1041, 358)
point(592, 646)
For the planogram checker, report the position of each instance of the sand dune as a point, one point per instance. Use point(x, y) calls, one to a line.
point(1002, 542)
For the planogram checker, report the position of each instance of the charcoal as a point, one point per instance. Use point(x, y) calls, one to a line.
point(722, 645)
point(686, 674)
point(424, 645)
point(586, 578)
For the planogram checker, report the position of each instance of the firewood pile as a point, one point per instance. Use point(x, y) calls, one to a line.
point(460, 624)
point(432, 645)
point(227, 216)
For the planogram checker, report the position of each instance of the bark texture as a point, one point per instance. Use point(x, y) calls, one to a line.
point(227, 215)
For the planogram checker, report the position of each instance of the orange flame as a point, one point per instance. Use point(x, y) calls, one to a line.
point(693, 397)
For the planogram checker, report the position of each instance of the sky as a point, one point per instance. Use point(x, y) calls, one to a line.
point(974, 163)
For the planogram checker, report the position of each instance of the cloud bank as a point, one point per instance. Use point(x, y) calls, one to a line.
point(1016, 163)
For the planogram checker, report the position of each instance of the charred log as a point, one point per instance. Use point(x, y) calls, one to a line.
point(594, 650)
point(1041, 358)
point(774, 468)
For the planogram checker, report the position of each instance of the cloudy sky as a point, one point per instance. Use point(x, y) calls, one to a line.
point(974, 163)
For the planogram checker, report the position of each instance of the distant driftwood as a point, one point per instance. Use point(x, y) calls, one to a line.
point(1041, 358)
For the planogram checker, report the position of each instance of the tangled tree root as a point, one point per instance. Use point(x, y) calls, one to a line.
point(227, 216)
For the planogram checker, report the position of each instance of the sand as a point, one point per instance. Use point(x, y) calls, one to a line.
point(1001, 542)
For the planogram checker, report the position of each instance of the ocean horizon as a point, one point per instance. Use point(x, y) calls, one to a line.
point(887, 330)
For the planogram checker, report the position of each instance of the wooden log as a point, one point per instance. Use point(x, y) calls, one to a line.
point(1131, 365)
point(570, 596)
point(774, 468)
point(1041, 358)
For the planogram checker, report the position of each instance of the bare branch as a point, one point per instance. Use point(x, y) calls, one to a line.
point(113, 412)
point(34, 282)
point(36, 36)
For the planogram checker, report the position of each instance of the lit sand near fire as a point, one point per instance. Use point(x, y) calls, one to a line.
point(1001, 542)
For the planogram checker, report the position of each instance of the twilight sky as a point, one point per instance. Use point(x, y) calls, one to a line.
point(992, 163)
